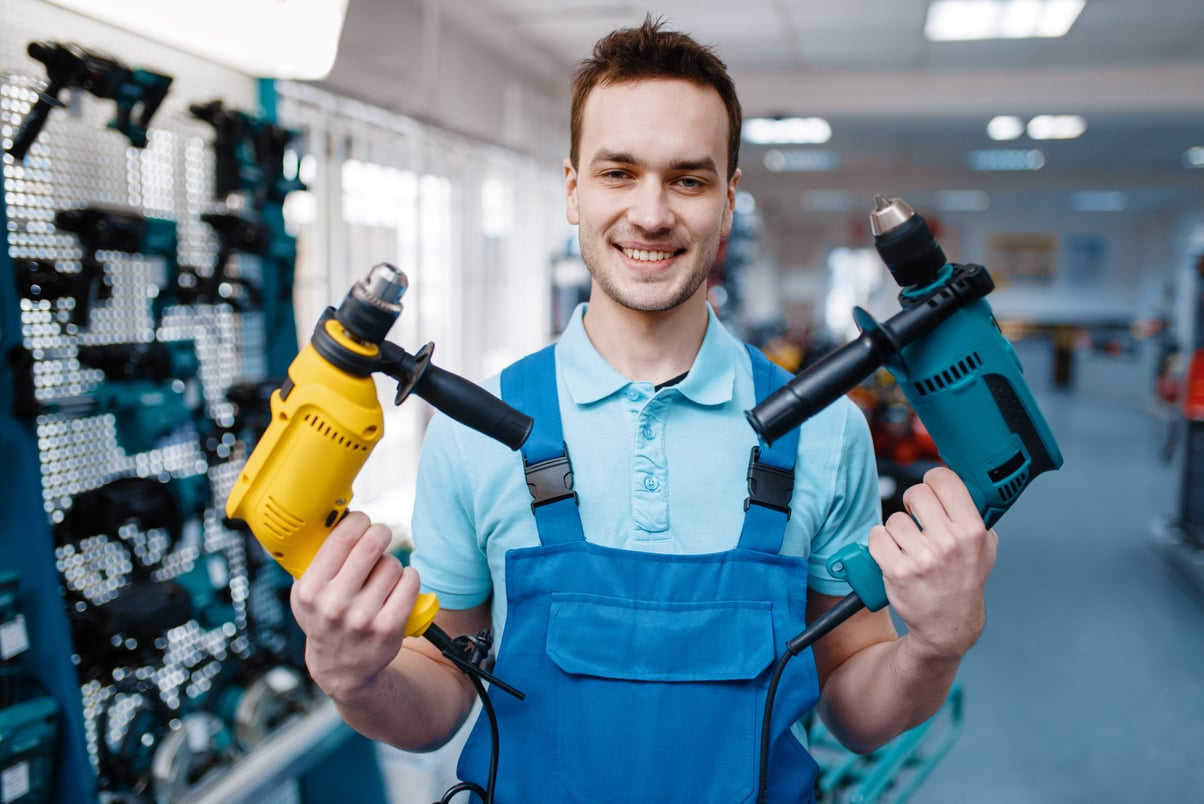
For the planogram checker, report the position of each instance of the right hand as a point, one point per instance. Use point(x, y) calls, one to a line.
point(352, 602)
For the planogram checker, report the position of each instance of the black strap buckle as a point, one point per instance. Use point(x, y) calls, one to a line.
point(550, 481)
point(769, 486)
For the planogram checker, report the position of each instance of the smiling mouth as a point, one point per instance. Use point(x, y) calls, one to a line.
point(643, 255)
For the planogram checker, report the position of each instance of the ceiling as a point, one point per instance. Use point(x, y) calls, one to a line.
point(904, 111)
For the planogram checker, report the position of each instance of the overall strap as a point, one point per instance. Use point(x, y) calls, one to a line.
point(530, 386)
point(770, 469)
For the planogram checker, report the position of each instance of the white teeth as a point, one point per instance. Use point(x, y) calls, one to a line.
point(647, 256)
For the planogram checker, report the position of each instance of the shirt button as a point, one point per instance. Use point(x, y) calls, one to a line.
point(648, 433)
point(651, 483)
point(633, 394)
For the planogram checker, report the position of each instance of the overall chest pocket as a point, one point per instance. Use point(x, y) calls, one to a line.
point(658, 701)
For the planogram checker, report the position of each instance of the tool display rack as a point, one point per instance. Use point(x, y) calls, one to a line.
point(124, 701)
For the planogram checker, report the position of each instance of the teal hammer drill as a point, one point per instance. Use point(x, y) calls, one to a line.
point(962, 378)
point(956, 368)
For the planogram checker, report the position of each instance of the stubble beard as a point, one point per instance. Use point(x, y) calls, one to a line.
point(653, 296)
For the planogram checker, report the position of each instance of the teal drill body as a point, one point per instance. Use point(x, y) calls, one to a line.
point(952, 362)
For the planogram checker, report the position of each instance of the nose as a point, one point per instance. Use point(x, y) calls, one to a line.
point(650, 209)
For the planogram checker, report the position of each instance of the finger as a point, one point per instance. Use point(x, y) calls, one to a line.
point(372, 544)
point(376, 588)
point(334, 550)
point(903, 529)
point(925, 507)
point(883, 548)
point(953, 494)
point(396, 609)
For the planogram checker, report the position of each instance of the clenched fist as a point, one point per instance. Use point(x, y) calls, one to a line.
point(352, 603)
point(935, 560)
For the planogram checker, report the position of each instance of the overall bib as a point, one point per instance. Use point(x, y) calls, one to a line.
point(646, 674)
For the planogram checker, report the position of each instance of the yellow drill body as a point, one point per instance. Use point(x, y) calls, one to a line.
point(296, 484)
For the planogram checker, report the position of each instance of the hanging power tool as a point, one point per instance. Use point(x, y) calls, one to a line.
point(100, 228)
point(151, 390)
point(956, 369)
point(137, 92)
point(326, 419)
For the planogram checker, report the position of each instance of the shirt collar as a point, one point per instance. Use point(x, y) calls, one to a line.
point(590, 378)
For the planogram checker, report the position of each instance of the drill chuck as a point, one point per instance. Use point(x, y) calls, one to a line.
point(905, 243)
point(369, 311)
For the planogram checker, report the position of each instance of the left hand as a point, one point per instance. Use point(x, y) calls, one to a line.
point(935, 578)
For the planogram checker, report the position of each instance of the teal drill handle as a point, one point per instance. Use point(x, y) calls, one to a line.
point(854, 565)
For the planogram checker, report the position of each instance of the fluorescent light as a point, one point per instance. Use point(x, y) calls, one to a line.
point(1017, 159)
point(1098, 201)
point(965, 20)
point(798, 160)
point(962, 201)
point(1058, 17)
point(1005, 127)
point(786, 131)
point(1019, 20)
point(953, 20)
point(1194, 157)
point(262, 38)
point(1056, 127)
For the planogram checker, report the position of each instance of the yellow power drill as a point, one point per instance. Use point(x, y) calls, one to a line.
point(326, 419)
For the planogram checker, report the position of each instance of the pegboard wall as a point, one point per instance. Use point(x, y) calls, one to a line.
point(146, 313)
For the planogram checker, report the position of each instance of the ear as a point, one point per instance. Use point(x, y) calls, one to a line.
point(730, 208)
point(571, 213)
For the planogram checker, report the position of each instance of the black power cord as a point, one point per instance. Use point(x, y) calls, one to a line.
point(486, 793)
point(849, 605)
point(468, 653)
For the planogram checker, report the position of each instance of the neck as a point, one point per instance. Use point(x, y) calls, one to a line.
point(647, 346)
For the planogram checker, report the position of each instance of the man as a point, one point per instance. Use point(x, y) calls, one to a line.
point(641, 611)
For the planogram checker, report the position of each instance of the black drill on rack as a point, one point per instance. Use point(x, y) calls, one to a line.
point(137, 92)
point(100, 228)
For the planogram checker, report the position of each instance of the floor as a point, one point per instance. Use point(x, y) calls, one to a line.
point(1088, 684)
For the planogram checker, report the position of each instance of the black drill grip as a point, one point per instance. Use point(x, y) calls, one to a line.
point(819, 386)
point(32, 125)
point(464, 401)
point(836, 374)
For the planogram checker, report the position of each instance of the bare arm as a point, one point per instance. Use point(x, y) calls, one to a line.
point(874, 684)
point(352, 603)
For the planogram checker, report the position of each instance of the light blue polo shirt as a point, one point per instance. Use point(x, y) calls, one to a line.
point(659, 471)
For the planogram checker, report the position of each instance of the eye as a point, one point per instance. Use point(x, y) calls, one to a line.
point(691, 183)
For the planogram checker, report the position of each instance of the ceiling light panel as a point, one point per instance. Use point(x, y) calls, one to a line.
point(799, 160)
point(786, 131)
point(1005, 127)
point(968, 20)
point(263, 38)
point(1056, 127)
point(1006, 159)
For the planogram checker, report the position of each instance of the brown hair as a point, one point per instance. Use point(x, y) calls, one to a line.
point(647, 52)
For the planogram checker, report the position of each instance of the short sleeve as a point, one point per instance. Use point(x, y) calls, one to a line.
point(854, 500)
point(448, 555)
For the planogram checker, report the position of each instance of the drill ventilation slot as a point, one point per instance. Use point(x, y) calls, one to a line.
point(319, 425)
point(279, 519)
point(1010, 490)
point(1014, 468)
point(939, 381)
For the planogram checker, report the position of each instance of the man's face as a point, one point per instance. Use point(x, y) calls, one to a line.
point(650, 195)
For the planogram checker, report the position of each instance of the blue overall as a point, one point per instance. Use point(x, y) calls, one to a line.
point(645, 674)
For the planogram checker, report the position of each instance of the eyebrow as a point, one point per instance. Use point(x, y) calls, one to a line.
point(624, 158)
